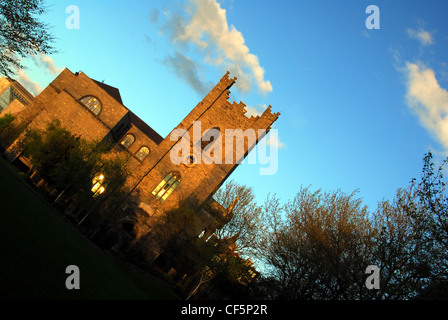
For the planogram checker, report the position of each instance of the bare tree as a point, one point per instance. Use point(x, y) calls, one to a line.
point(398, 249)
point(246, 223)
point(319, 246)
point(425, 203)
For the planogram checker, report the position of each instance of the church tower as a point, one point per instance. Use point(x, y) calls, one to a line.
point(196, 158)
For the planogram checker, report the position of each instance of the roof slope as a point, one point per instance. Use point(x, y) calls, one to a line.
point(112, 91)
point(135, 120)
point(150, 132)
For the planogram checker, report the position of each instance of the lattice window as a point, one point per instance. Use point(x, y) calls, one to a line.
point(93, 104)
point(127, 141)
point(142, 153)
point(167, 186)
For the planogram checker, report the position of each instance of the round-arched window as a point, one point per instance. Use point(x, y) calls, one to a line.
point(142, 153)
point(93, 104)
point(127, 141)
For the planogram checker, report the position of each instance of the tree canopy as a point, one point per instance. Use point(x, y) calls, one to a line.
point(319, 245)
point(73, 165)
point(22, 33)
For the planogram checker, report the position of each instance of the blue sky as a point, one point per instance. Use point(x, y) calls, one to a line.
point(359, 107)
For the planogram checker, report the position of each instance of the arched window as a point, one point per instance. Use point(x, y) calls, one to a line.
point(127, 141)
point(92, 103)
point(142, 153)
point(167, 186)
point(210, 136)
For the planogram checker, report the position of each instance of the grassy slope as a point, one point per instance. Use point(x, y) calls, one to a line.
point(37, 244)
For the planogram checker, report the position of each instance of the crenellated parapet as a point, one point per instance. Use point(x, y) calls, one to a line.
point(238, 110)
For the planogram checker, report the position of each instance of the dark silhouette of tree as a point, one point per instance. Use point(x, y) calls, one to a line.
point(9, 131)
point(174, 234)
point(5, 121)
point(425, 203)
point(115, 172)
point(22, 33)
point(52, 153)
point(399, 250)
point(71, 164)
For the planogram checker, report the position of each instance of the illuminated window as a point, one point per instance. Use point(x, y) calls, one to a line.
point(98, 187)
point(93, 104)
point(167, 186)
point(127, 141)
point(142, 153)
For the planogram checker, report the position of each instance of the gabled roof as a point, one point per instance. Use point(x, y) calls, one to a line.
point(112, 91)
point(135, 120)
point(143, 127)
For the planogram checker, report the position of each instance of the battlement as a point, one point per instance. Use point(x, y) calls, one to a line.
point(238, 109)
point(228, 82)
point(268, 114)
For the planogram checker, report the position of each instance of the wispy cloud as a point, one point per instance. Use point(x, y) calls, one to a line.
point(186, 69)
point(428, 100)
point(43, 62)
point(46, 63)
point(154, 15)
point(30, 85)
point(203, 25)
point(274, 141)
point(421, 35)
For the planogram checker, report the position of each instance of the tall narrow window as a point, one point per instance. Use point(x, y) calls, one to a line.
point(127, 141)
point(142, 153)
point(167, 186)
point(92, 103)
point(97, 185)
point(210, 136)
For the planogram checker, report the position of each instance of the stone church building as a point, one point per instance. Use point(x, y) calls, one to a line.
point(95, 111)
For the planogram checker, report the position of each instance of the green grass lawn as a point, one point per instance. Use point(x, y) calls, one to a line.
point(37, 244)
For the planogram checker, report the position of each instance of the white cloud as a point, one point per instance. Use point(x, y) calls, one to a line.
point(428, 100)
point(274, 141)
point(47, 63)
point(30, 85)
point(42, 62)
point(421, 35)
point(256, 110)
point(222, 45)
